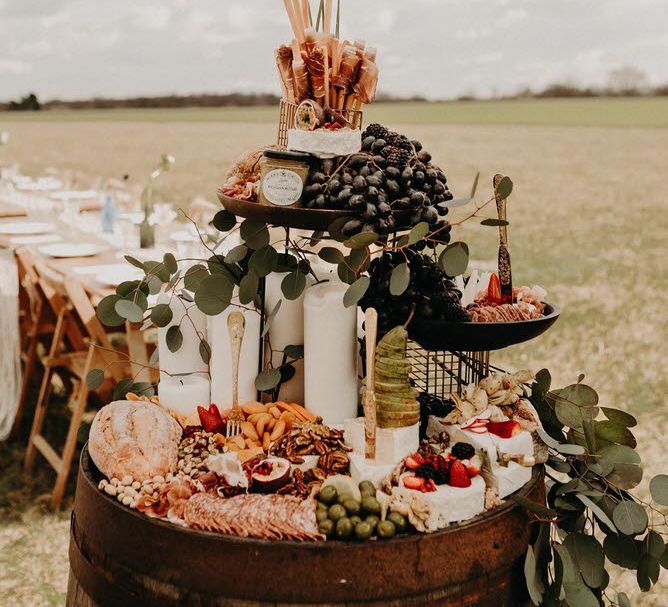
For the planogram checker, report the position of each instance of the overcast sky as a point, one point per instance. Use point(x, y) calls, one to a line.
point(436, 48)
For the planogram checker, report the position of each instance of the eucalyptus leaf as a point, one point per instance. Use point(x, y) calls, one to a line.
point(597, 510)
point(248, 287)
point(418, 232)
point(653, 544)
point(142, 388)
point(254, 233)
point(161, 315)
point(129, 310)
point(630, 517)
point(578, 394)
point(534, 583)
point(173, 281)
point(494, 223)
point(648, 572)
point(331, 255)
point(194, 276)
point(457, 202)
point(155, 357)
point(295, 352)
point(358, 260)
point(263, 261)
point(615, 433)
point(620, 417)
point(558, 464)
point(214, 294)
point(619, 454)
point(577, 593)
point(400, 279)
point(541, 385)
point(568, 449)
point(454, 259)
point(474, 187)
point(267, 380)
point(345, 273)
point(658, 487)
point(293, 285)
point(504, 188)
point(236, 254)
point(154, 284)
point(121, 389)
point(157, 269)
point(335, 229)
point(361, 240)
point(94, 379)
point(135, 262)
point(271, 317)
point(127, 288)
point(174, 338)
point(169, 261)
point(356, 291)
point(621, 550)
point(623, 600)
point(224, 221)
point(531, 506)
point(588, 556)
point(106, 311)
point(205, 351)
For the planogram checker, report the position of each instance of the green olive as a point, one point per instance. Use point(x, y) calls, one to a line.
point(327, 527)
point(322, 506)
point(370, 505)
point(363, 531)
point(352, 506)
point(354, 519)
point(399, 521)
point(386, 529)
point(336, 512)
point(344, 528)
point(373, 520)
point(321, 515)
point(367, 488)
point(328, 495)
point(344, 498)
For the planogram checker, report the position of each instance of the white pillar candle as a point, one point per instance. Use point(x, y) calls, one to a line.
point(221, 357)
point(330, 353)
point(184, 394)
point(287, 328)
point(187, 358)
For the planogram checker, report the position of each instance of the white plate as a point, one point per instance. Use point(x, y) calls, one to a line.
point(26, 227)
point(112, 276)
point(68, 249)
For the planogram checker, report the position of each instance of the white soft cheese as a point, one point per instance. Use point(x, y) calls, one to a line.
point(511, 478)
point(325, 143)
point(392, 444)
point(362, 469)
point(449, 504)
point(519, 445)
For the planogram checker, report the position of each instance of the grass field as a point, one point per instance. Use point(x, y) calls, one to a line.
point(588, 221)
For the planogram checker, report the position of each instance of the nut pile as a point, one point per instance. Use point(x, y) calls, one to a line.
point(194, 451)
point(128, 491)
point(303, 483)
point(310, 439)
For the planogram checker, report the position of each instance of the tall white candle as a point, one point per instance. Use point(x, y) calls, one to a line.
point(330, 353)
point(187, 358)
point(221, 357)
point(184, 394)
point(287, 328)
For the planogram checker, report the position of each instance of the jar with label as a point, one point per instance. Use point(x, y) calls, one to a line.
point(284, 174)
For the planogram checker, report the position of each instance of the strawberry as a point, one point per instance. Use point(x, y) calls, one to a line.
point(504, 429)
point(428, 486)
point(473, 465)
point(459, 476)
point(414, 482)
point(413, 462)
point(494, 288)
point(211, 420)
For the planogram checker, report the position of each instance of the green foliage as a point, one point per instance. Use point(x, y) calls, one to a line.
point(454, 259)
point(594, 464)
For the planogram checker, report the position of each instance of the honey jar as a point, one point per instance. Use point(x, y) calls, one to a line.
point(284, 174)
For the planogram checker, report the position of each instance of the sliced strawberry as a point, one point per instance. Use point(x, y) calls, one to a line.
point(211, 420)
point(504, 429)
point(494, 288)
point(428, 486)
point(473, 465)
point(414, 482)
point(459, 476)
point(479, 422)
point(413, 462)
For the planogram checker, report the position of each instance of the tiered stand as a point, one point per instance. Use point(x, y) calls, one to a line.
point(121, 558)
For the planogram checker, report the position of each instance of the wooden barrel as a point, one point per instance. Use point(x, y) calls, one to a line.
point(121, 558)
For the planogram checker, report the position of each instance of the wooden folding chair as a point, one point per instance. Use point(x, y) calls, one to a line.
point(37, 316)
point(96, 352)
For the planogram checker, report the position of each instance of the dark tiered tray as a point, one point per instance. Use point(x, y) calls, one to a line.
point(479, 336)
point(294, 217)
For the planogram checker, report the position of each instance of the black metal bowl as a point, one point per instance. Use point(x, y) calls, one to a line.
point(479, 336)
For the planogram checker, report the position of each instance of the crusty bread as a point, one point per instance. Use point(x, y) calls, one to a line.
point(134, 438)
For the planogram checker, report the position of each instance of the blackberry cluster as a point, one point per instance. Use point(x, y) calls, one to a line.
point(463, 451)
point(430, 404)
point(430, 292)
point(440, 475)
point(391, 173)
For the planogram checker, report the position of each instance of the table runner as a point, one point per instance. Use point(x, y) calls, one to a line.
point(10, 348)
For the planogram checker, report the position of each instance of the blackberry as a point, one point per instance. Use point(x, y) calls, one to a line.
point(455, 313)
point(396, 157)
point(399, 141)
point(463, 451)
point(426, 471)
point(376, 130)
point(442, 476)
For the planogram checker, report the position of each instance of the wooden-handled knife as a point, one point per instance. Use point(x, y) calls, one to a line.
point(505, 274)
point(371, 331)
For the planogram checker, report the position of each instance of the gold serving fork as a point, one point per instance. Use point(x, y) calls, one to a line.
point(235, 329)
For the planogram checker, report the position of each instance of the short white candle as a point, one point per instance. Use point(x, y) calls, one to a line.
point(185, 393)
point(187, 358)
point(330, 353)
point(221, 357)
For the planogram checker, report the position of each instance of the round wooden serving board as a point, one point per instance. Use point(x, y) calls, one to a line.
point(121, 558)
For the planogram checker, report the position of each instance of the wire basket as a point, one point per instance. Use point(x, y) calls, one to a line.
point(286, 120)
point(440, 372)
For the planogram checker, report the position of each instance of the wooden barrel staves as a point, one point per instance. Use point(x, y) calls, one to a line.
point(121, 558)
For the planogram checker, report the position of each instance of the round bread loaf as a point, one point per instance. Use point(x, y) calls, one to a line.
point(134, 438)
